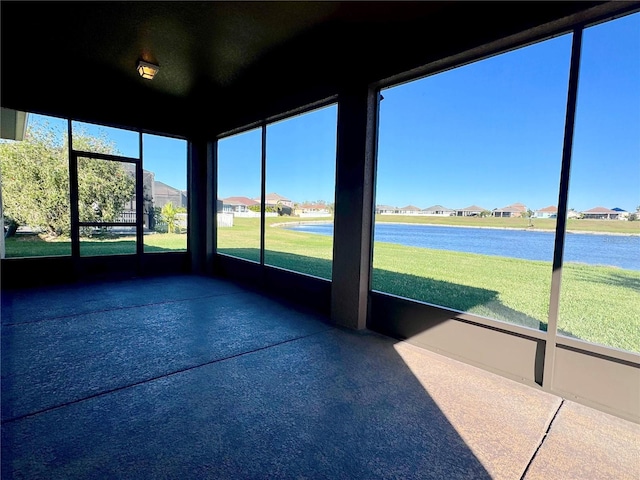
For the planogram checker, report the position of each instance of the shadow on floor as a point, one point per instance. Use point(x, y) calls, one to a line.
point(188, 377)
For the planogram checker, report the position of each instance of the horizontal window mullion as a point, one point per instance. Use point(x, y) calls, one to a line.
point(105, 156)
point(107, 224)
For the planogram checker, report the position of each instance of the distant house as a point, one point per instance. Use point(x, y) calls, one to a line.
point(547, 212)
point(600, 213)
point(409, 210)
point(282, 204)
point(273, 199)
point(385, 210)
point(155, 194)
point(510, 211)
point(163, 194)
point(506, 212)
point(439, 210)
point(237, 204)
point(471, 211)
point(312, 210)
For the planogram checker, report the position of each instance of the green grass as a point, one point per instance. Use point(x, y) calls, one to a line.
point(39, 246)
point(162, 242)
point(283, 248)
point(36, 246)
point(598, 304)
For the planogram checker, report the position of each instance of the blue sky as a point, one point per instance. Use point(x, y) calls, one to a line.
point(301, 154)
point(489, 133)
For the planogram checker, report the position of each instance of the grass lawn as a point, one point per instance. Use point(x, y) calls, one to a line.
point(162, 242)
point(598, 304)
point(39, 245)
point(36, 246)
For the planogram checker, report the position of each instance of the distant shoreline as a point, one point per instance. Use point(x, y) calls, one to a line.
point(525, 229)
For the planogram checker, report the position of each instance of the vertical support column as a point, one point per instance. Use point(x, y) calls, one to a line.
point(211, 207)
point(355, 169)
point(199, 164)
point(139, 206)
point(2, 251)
point(73, 198)
point(263, 192)
point(561, 222)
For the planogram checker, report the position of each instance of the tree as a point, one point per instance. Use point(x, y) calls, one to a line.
point(35, 181)
point(169, 215)
point(100, 200)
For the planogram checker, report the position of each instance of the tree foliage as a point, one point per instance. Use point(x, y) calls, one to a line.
point(35, 180)
point(169, 215)
point(100, 200)
point(256, 208)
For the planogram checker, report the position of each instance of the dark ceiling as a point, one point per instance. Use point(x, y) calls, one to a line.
point(225, 64)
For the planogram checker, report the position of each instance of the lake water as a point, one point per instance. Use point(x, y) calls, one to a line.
point(615, 250)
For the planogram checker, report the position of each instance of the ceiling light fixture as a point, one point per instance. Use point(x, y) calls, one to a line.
point(147, 70)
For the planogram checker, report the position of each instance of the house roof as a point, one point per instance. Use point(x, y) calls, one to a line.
point(550, 208)
point(600, 210)
point(508, 209)
point(519, 206)
point(514, 207)
point(410, 208)
point(386, 207)
point(162, 188)
point(438, 208)
point(473, 208)
point(240, 201)
point(274, 197)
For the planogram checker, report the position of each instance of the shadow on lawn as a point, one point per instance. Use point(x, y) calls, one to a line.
point(480, 301)
point(628, 279)
point(463, 298)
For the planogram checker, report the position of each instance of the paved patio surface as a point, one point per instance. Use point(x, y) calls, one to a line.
point(192, 377)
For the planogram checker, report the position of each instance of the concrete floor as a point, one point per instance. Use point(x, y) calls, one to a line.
point(189, 377)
